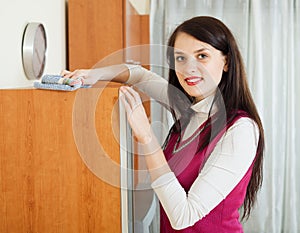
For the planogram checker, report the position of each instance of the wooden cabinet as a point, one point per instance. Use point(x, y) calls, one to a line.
point(99, 30)
point(45, 184)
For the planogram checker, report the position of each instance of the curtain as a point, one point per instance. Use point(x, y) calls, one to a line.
point(268, 33)
point(273, 70)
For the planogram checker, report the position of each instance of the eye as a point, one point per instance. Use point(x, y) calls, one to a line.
point(202, 56)
point(179, 58)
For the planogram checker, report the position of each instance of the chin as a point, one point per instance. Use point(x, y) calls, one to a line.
point(195, 95)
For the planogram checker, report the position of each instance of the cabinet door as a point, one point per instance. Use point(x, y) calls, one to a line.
point(45, 183)
point(105, 32)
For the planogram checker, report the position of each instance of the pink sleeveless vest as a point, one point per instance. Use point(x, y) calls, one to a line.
point(186, 164)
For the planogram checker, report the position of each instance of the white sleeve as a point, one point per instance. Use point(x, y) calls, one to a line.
point(226, 166)
point(148, 82)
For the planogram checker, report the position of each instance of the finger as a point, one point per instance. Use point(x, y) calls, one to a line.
point(135, 94)
point(64, 72)
point(76, 74)
point(128, 95)
point(69, 74)
point(126, 105)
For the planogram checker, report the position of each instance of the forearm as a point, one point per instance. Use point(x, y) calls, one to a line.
point(117, 73)
point(154, 157)
point(149, 82)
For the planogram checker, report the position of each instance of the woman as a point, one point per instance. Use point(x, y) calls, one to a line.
point(211, 163)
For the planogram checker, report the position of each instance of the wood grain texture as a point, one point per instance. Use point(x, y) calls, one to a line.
point(95, 32)
point(44, 184)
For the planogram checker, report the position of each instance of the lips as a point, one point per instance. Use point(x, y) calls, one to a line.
point(192, 81)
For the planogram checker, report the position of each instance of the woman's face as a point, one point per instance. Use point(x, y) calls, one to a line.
point(198, 66)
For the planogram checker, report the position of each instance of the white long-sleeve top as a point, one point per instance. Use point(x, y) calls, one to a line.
point(225, 167)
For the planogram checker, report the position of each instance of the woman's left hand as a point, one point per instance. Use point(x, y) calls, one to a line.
point(136, 114)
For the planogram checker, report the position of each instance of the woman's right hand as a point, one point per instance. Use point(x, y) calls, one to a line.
point(117, 73)
point(80, 73)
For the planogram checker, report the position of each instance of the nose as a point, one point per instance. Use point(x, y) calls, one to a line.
point(191, 66)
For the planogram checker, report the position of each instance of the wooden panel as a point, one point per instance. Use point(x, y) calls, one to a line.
point(44, 184)
point(95, 30)
point(137, 27)
point(137, 40)
point(137, 33)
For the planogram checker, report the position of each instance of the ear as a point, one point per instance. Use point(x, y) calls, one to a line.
point(225, 68)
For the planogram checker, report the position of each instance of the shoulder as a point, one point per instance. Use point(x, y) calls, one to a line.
point(242, 135)
point(237, 148)
point(244, 124)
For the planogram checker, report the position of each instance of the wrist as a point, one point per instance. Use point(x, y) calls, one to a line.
point(145, 139)
point(148, 144)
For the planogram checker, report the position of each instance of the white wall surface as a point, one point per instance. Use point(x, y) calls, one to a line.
point(14, 16)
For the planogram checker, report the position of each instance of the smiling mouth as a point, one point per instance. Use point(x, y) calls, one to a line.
point(192, 81)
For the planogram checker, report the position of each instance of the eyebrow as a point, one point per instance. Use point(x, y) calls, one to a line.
point(197, 51)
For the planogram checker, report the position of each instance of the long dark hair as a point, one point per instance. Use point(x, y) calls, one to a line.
point(233, 93)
